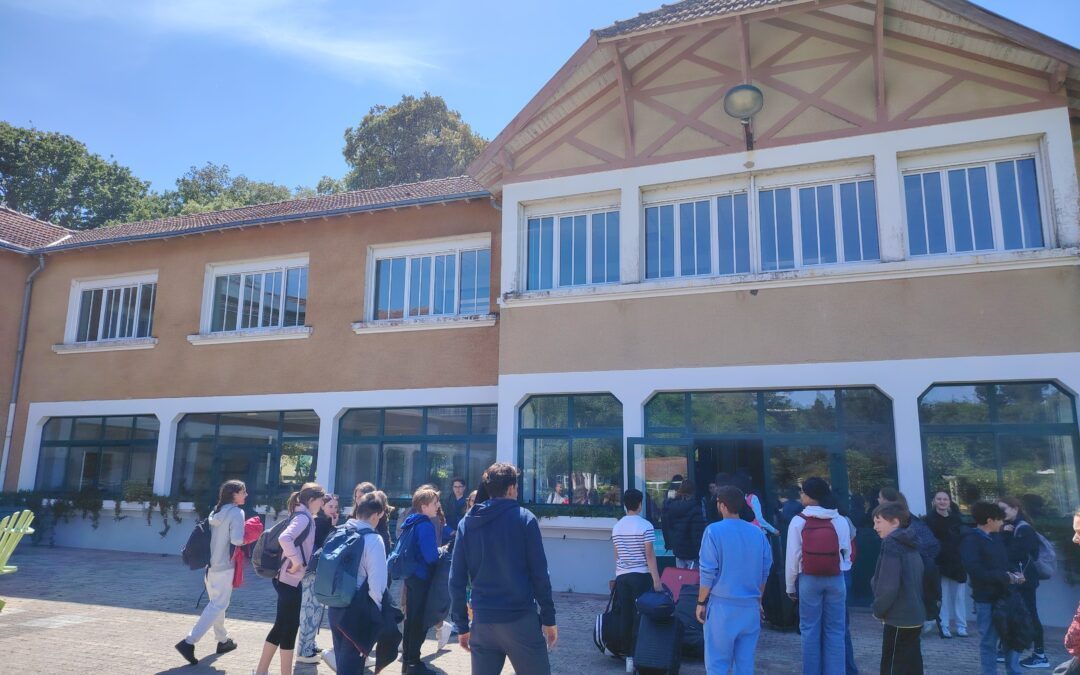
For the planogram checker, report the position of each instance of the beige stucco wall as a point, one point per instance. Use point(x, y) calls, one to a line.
point(990, 313)
point(333, 358)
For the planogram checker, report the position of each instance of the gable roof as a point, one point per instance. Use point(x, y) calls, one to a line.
point(439, 190)
point(679, 13)
point(22, 233)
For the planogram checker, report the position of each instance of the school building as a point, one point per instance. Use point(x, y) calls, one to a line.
point(775, 237)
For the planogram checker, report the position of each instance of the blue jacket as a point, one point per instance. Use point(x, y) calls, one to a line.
point(987, 565)
point(500, 552)
point(427, 549)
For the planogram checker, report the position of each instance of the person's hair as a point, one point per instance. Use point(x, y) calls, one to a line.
point(632, 499)
point(1016, 504)
point(458, 479)
point(370, 504)
point(360, 490)
point(229, 489)
point(986, 511)
point(304, 495)
point(423, 496)
point(482, 494)
point(498, 478)
point(470, 500)
point(731, 497)
point(721, 479)
point(791, 492)
point(891, 494)
point(893, 511)
point(686, 490)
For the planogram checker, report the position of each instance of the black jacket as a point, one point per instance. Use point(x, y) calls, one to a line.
point(950, 531)
point(1023, 547)
point(987, 564)
point(898, 581)
point(683, 526)
point(927, 543)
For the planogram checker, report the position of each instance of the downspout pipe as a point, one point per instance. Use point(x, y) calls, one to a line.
point(16, 376)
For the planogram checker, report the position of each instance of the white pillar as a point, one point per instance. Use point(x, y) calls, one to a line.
point(168, 424)
point(506, 443)
point(326, 462)
point(889, 206)
point(909, 454)
point(630, 233)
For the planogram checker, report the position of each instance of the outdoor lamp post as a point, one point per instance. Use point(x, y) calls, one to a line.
point(742, 102)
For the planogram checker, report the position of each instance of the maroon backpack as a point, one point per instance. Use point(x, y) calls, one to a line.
point(820, 547)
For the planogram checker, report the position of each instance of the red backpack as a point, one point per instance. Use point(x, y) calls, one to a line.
point(820, 547)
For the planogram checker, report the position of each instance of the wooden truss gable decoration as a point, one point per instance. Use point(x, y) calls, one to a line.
point(828, 69)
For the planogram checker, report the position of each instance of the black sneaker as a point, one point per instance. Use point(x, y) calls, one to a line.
point(187, 650)
point(226, 647)
point(421, 669)
point(1036, 661)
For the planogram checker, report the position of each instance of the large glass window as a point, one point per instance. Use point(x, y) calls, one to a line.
point(272, 452)
point(572, 250)
point(97, 453)
point(267, 298)
point(116, 312)
point(989, 440)
point(446, 283)
point(978, 207)
point(400, 449)
point(571, 450)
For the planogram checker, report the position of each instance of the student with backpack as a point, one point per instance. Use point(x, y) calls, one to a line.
point(311, 611)
point(818, 544)
point(987, 563)
point(735, 559)
point(635, 568)
point(898, 591)
point(499, 551)
point(355, 627)
point(226, 523)
point(416, 553)
point(1022, 543)
point(297, 543)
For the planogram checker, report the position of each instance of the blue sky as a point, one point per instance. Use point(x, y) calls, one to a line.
point(269, 86)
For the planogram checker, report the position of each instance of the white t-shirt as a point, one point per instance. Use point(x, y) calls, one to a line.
point(629, 536)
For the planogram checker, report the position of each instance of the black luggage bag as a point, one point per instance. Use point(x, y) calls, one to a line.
point(780, 611)
point(693, 638)
point(659, 646)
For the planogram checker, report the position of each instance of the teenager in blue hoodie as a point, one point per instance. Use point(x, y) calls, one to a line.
point(425, 551)
point(499, 551)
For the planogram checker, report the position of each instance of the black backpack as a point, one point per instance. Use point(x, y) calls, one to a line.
point(196, 552)
point(266, 558)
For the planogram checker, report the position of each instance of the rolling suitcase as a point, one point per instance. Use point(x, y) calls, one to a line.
point(693, 637)
point(674, 579)
point(659, 646)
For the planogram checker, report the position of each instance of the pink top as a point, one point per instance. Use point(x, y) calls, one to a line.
point(290, 553)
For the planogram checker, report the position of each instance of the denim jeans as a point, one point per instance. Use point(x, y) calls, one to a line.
point(821, 621)
point(311, 616)
point(988, 642)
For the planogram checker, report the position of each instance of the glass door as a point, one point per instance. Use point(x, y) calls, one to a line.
point(651, 464)
point(252, 464)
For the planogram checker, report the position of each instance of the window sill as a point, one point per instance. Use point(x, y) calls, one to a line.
point(105, 346)
point(918, 266)
point(576, 527)
point(253, 335)
point(439, 323)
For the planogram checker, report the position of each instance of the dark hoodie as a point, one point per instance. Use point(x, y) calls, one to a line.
point(949, 530)
point(500, 552)
point(427, 549)
point(898, 581)
point(684, 525)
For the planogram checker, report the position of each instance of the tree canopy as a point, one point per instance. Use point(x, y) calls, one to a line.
point(415, 139)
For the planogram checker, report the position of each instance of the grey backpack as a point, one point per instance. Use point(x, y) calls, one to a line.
point(1045, 562)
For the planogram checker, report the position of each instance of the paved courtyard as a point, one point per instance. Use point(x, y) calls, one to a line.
point(80, 611)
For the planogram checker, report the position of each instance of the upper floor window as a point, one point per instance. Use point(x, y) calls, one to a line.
point(984, 206)
point(259, 295)
point(112, 309)
point(572, 250)
point(428, 280)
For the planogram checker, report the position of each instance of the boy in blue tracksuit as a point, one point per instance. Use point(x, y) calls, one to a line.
point(426, 553)
point(735, 560)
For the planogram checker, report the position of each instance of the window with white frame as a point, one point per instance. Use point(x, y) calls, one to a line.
point(819, 224)
point(979, 206)
point(260, 295)
point(430, 280)
point(112, 309)
point(574, 249)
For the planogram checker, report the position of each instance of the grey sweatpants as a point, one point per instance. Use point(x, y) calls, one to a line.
point(522, 641)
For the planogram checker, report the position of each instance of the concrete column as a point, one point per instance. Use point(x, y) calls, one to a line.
point(893, 239)
point(168, 422)
point(630, 229)
point(909, 455)
point(326, 462)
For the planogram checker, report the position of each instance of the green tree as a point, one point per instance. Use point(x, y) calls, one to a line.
point(212, 187)
point(53, 177)
point(416, 139)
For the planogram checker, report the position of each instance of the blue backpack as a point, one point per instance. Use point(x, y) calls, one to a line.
point(402, 560)
point(339, 561)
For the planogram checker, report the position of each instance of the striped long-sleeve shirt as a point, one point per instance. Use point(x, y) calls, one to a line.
point(629, 536)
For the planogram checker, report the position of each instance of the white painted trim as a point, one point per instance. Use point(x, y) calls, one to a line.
point(251, 335)
point(213, 270)
point(576, 527)
point(573, 204)
point(464, 242)
point(427, 323)
point(169, 411)
point(929, 159)
point(105, 346)
point(71, 324)
point(816, 275)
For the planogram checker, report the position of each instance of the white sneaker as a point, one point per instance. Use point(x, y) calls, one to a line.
point(444, 633)
point(370, 663)
point(329, 659)
point(307, 659)
point(629, 664)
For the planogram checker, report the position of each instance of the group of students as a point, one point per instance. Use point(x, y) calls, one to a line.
point(495, 582)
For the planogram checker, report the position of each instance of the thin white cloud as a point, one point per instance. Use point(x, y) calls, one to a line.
point(329, 35)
